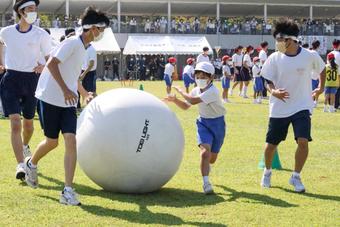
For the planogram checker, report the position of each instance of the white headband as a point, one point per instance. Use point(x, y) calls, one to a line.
point(30, 3)
point(88, 26)
point(284, 36)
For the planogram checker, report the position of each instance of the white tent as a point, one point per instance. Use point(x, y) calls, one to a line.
point(107, 45)
point(169, 45)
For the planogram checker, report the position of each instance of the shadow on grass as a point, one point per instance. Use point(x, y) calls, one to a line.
point(166, 197)
point(311, 195)
point(256, 198)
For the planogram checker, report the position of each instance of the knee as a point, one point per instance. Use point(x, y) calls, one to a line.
point(70, 139)
point(28, 126)
point(205, 153)
point(302, 143)
point(52, 143)
point(16, 125)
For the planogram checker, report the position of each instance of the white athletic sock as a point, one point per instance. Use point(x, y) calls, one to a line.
point(245, 89)
point(267, 171)
point(205, 179)
point(31, 165)
point(296, 174)
point(25, 146)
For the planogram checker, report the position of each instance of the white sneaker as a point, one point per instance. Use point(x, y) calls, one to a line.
point(332, 109)
point(27, 151)
point(69, 197)
point(325, 109)
point(259, 101)
point(315, 104)
point(245, 97)
point(31, 174)
point(227, 101)
point(230, 92)
point(208, 189)
point(265, 182)
point(255, 101)
point(224, 101)
point(20, 173)
point(296, 182)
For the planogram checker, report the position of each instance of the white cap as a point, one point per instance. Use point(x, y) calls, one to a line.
point(205, 67)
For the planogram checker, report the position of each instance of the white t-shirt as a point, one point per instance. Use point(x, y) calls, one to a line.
point(226, 70)
point(23, 50)
point(248, 61)
point(337, 56)
point(91, 55)
point(189, 70)
point(169, 69)
point(293, 73)
point(256, 71)
point(202, 58)
point(263, 56)
point(237, 59)
point(71, 54)
point(211, 105)
point(314, 73)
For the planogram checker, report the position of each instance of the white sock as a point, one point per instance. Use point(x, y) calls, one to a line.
point(205, 179)
point(296, 174)
point(267, 171)
point(67, 188)
point(25, 146)
point(31, 165)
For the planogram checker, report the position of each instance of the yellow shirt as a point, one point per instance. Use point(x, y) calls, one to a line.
point(332, 77)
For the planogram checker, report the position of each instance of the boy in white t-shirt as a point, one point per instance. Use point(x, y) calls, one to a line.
point(57, 94)
point(211, 123)
point(169, 73)
point(204, 57)
point(188, 74)
point(257, 81)
point(288, 73)
point(225, 78)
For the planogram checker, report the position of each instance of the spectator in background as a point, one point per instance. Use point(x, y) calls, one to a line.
point(204, 56)
point(160, 67)
point(114, 24)
point(218, 67)
point(142, 68)
point(187, 27)
point(107, 64)
point(115, 69)
point(181, 26)
point(153, 69)
point(196, 25)
point(157, 26)
point(173, 26)
point(163, 24)
point(253, 25)
point(133, 25)
point(147, 26)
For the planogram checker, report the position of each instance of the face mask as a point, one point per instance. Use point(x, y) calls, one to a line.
point(31, 17)
point(99, 37)
point(202, 83)
point(281, 47)
point(257, 63)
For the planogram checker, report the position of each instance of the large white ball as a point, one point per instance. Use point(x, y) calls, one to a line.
point(129, 141)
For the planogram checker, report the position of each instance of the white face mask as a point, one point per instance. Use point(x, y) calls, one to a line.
point(281, 47)
point(31, 17)
point(99, 37)
point(202, 83)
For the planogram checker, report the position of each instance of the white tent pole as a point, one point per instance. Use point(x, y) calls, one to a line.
point(67, 8)
point(169, 16)
point(118, 15)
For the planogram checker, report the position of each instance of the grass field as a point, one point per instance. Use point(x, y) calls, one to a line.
point(239, 199)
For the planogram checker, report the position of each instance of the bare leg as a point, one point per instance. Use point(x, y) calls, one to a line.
point(28, 130)
point(269, 154)
point(16, 138)
point(70, 159)
point(301, 154)
point(43, 149)
point(205, 159)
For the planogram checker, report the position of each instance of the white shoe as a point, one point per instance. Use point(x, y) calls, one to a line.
point(245, 96)
point(332, 109)
point(27, 151)
point(265, 182)
point(325, 109)
point(255, 101)
point(296, 182)
point(31, 174)
point(230, 92)
point(259, 101)
point(20, 173)
point(315, 104)
point(208, 189)
point(69, 197)
point(224, 101)
point(227, 101)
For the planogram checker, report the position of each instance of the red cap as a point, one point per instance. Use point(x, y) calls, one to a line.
point(330, 56)
point(172, 60)
point(190, 61)
point(225, 58)
point(256, 59)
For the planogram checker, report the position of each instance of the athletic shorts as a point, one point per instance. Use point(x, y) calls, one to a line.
point(89, 81)
point(17, 90)
point(315, 84)
point(212, 132)
point(188, 80)
point(225, 82)
point(238, 77)
point(330, 90)
point(55, 119)
point(278, 127)
point(258, 84)
point(245, 74)
point(168, 80)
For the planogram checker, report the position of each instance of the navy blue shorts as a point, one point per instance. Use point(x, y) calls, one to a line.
point(188, 80)
point(238, 77)
point(55, 119)
point(278, 127)
point(225, 82)
point(89, 81)
point(17, 90)
point(212, 132)
point(315, 84)
point(258, 84)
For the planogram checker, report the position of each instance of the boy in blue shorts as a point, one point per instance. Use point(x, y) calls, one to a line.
point(210, 123)
point(188, 74)
point(168, 74)
point(258, 82)
point(225, 78)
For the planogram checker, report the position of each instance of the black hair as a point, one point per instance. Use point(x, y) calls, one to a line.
point(249, 48)
point(305, 45)
point(19, 3)
point(69, 31)
point(62, 38)
point(205, 48)
point(200, 71)
point(336, 42)
point(92, 15)
point(333, 64)
point(238, 48)
point(48, 31)
point(316, 44)
point(287, 27)
point(264, 44)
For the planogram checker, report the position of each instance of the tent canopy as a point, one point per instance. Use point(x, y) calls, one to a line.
point(169, 45)
point(107, 45)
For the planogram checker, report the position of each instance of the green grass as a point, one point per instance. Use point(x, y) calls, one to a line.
point(239, 200)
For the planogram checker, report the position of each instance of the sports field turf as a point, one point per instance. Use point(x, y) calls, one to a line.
point(239, 199)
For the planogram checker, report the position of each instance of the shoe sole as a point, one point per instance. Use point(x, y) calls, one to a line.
point(62, 201)
point(300, 192)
